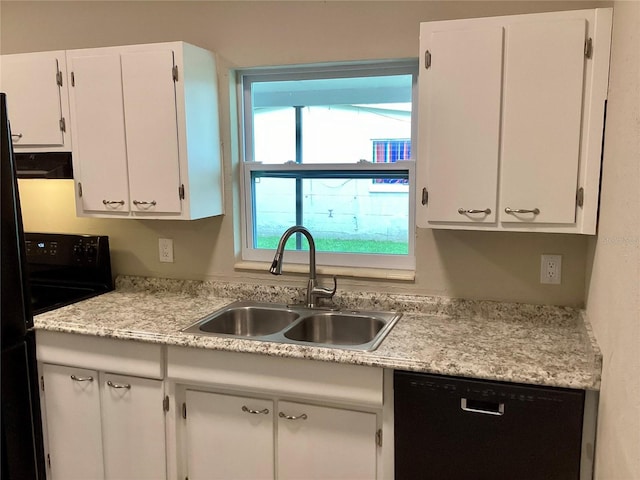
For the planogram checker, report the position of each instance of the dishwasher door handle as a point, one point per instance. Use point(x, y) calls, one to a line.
point(477, 406)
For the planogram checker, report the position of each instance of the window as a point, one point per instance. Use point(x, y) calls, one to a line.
point(329, 147)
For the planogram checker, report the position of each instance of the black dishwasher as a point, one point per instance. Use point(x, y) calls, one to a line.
point(450, 428)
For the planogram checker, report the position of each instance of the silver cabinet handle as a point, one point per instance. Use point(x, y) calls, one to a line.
point(81, 379)
point(113, 202)
point(118, 385)
point(462, 211)
point(464, 406)
point(264, 411)
point(151, 203)
point(291, 417)
point(535, 211)
point(16, 136)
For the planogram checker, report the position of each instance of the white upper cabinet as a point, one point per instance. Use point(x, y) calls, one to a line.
point(100, 156)
point(463, 124)
point(511, 113)
point(148, 142)
point(37, 100)
point(157, 140)
point(542, 115)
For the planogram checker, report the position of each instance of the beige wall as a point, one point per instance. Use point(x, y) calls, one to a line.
point(613, 292)
point(500, 266)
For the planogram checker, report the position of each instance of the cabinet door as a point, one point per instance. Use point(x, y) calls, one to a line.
point(72, 403)
point(325, 443)
point(544, 72)
point(228, 437)
point(98, 122)
point(152, 131)
point(460, 105)
point(133, 428)
point(34, 98)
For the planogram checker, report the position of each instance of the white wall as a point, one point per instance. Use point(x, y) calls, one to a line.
point(613, 292)
point(487, 265)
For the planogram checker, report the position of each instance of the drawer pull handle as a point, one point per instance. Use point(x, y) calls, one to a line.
point(535, 211)
point(486, 408)
point(462, 211)
point(264, 411)
point(118, 385)
point(292, 417)
point(16, 136)
point(81, 379)
point(112, 202)
point(139, 203)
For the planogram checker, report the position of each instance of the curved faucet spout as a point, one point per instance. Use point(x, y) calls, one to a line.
point(276, 265)
point(313, 291)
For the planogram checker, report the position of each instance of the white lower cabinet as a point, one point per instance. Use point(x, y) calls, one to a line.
point(316, 442)
point(228, 436)
point(207, 415)
point(231, 436)
point(101, 425)
point(133, 428)
point(73, 424)
point(245, 416)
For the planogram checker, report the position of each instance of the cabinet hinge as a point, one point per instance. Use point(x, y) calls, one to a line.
point(165, 403)
point(80, 189)
point(588, 47)
point(425, 196)
point(42, 383)
point(181, 192)
point(427, 59)
point(379, 437)
point(73, 79)
point(580, 197)
point(59, 78)
point(174, 72)
point(48, 460)
point(63, 125)
point(184, 411)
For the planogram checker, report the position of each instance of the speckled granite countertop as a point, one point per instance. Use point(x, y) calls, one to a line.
point(532, 344)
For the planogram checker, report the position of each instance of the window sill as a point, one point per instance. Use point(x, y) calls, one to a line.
point(354, 272)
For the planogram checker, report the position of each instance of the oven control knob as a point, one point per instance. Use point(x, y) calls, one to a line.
point(91, 252)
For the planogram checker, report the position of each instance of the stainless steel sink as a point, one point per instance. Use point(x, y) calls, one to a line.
point(297, 324)
point(336, 329)
point(246, 319)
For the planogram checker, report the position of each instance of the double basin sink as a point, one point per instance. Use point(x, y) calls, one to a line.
point(296, 324)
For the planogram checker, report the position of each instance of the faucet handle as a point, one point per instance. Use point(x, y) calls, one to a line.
point(335, 286)
point(322, 292)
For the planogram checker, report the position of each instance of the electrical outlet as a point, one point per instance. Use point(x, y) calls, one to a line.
point(551, 269)
point(165, 250)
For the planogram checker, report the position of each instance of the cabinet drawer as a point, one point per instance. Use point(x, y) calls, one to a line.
point(116, 356)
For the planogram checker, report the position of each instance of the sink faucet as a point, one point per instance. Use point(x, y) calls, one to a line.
point(314, 292)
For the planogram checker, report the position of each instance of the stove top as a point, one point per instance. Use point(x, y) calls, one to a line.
point(65, 269)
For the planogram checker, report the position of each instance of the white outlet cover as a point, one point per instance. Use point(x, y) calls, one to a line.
point(551, 269)
point(165, 250)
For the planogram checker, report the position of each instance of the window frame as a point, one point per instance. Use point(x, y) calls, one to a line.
point(245, 78)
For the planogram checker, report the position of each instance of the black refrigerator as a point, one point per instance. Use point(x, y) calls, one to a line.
point(21, 442)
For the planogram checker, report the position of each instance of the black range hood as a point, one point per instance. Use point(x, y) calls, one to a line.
point(43, 165)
